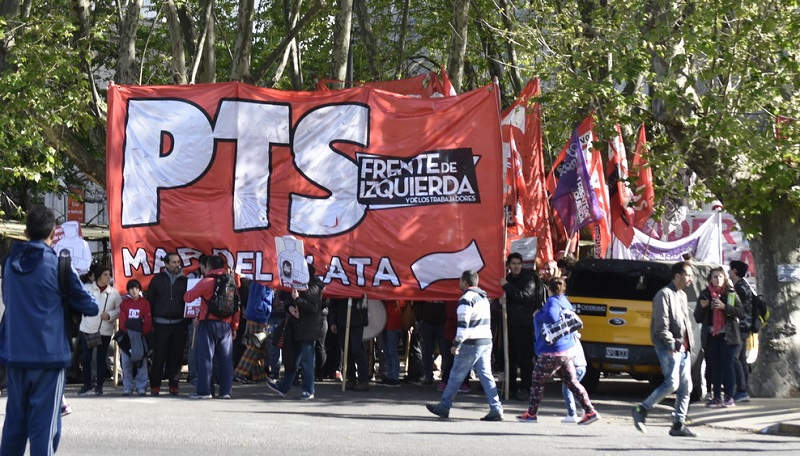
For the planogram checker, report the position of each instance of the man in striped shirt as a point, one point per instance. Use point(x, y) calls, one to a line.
point(472, 348)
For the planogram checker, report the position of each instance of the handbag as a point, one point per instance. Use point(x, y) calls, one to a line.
point(568, 322)
point(94, 339)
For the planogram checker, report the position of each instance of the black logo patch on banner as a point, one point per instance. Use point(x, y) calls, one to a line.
point(432, 177)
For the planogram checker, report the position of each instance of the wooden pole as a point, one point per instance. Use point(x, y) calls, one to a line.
point(346, 342)
point(506, 381)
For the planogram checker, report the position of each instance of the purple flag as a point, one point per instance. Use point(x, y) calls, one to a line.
point(574, 200)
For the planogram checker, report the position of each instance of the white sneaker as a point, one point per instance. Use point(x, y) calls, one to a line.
point(570, 419)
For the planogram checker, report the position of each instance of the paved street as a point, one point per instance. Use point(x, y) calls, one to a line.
point(385, 421)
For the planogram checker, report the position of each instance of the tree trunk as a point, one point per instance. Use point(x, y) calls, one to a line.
point(273, 56)
point(244, 41)
point(507, 14)
point(341, 41)
point(206, 37)
point(208, 65)
point(401, 40)
point(126, 66)
point(777, 369)
point(292, 9)
point(179, 75)
point(9, 11)
point(370, 43)
point(458, 43)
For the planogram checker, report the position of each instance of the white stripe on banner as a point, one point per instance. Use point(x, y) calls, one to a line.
point(704, 244)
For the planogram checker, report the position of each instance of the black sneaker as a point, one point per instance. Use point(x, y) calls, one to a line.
point(494, 415)
point(639, 414)
point(681, 431)
point(85, 390)
point(392, 383)
point(438, 410)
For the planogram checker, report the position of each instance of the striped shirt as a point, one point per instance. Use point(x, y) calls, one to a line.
point(474, 318)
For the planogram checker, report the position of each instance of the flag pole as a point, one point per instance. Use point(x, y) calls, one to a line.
point(506, 381)
point(346, 343)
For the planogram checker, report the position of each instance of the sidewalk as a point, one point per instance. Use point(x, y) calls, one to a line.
point(762, 415)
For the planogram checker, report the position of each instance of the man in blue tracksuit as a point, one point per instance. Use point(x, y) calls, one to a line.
point(33, 338)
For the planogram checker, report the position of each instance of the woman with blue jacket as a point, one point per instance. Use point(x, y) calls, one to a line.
point(555, 357)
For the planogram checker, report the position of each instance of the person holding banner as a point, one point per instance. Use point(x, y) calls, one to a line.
point(357, 365)
point(307, 324)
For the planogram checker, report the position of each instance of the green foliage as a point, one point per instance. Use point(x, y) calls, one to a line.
point(708, 79)
point(44, 90)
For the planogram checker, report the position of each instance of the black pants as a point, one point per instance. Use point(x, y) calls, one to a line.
point(520, 356)
point(357, 359)
point(170, 343)
point(740, 365)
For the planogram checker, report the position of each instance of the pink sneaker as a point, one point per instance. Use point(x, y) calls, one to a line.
point(441, 386)
point(464, 388)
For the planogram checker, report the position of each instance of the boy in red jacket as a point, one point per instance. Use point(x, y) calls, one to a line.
point(136, 321)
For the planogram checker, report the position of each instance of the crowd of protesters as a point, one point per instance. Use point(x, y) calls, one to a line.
point(307, 337)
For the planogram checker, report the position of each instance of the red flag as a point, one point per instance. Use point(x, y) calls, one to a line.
point(447, 86)
point(514, 188)
point(601, 231)
point(620, 194)
point(644, 196)
point(522, 122)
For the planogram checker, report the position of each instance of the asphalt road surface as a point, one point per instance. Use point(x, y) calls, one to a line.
point(391, 421)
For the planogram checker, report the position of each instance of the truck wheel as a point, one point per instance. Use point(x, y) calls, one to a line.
point(591, 379)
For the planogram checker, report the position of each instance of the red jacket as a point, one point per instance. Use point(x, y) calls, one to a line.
point(205, 289)
point(394, 315)
point(139, 308)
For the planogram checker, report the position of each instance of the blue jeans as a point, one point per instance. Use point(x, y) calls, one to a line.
point(304, 358)
point(390, 341)
point(33, 411)
point(677, 370)
point(478, 358)
point(432, 334)
point(129, 382)
point(214, 343)
point(569, 398)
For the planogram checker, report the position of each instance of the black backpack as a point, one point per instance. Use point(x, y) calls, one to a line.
point(225, 302)
point(760, 313)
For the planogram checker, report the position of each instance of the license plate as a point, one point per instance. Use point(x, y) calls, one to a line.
point(616, 353)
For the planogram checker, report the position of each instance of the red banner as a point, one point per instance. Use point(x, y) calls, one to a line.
point(427, 85)
point(391, 196)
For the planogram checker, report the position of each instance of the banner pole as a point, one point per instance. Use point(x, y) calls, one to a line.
point(346, 343)
point(408, 346)
point(506, 381)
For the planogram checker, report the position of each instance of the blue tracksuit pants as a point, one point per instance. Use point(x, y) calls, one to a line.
point(33, 411)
